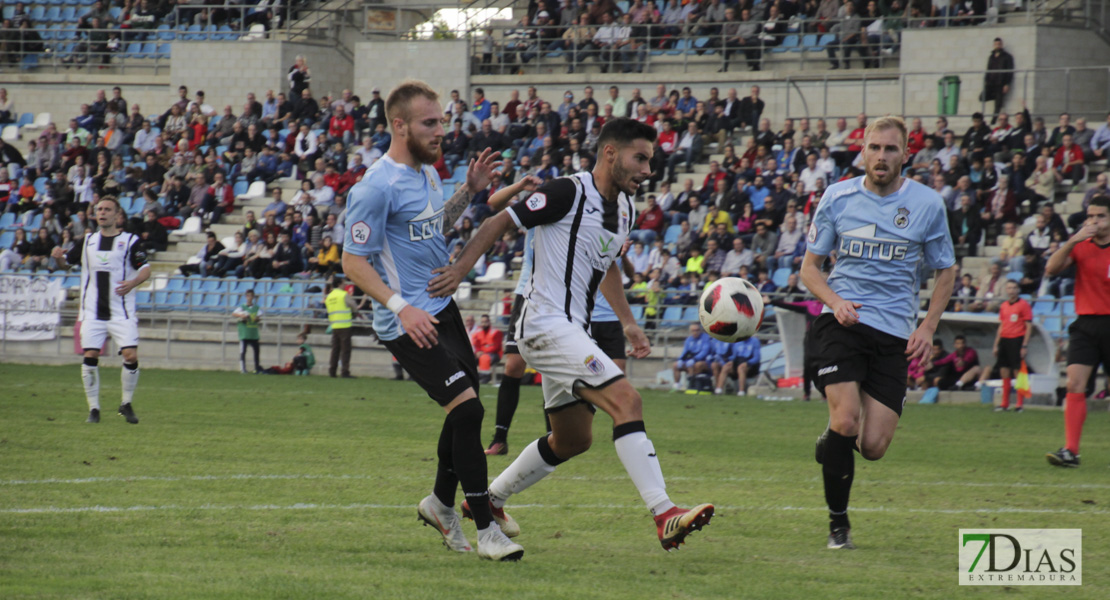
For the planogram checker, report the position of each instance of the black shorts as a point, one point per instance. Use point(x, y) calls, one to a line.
point(1009, 353)
point(1089, 341)
point(863, 354)
point(609, 336)
point(446, 369)
point(514, 317)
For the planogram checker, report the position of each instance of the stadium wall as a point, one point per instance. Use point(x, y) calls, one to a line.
point(444, 64)
point(226, 71)
point(61, 94)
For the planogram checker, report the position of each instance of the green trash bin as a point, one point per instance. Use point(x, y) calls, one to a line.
point(948, 95)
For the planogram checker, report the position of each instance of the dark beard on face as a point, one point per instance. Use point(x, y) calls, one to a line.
point(620, 176)
point(422, 153)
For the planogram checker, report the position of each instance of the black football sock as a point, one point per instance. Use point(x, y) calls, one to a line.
point(508, 396)
point(838, 469)
point(446, 480)
point(470, 459)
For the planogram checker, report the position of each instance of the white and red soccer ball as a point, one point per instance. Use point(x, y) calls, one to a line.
point(731, 309)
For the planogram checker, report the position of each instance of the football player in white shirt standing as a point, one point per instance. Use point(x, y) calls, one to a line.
point(580, 225)
point(113, 264)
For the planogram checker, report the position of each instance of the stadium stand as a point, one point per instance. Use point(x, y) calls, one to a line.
point(738, 210)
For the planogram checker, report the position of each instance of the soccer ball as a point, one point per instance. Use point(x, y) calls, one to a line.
point(731, 309)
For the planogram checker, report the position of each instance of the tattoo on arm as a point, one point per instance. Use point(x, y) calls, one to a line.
point(455, 207)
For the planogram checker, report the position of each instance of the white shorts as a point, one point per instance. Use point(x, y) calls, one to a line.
point(124, 332)
point(567, 358)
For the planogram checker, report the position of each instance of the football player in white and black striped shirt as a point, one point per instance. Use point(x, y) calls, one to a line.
point(113, 263)
point(580, 224)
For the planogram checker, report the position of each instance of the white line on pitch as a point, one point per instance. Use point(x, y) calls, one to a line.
point(309, 476)
point(314, 506)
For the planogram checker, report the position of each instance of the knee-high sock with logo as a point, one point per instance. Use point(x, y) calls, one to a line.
point(838, 469)
point(1075, 413)
point(129, 379)
point(637, 454)
point(535, 462)
point(90, 377)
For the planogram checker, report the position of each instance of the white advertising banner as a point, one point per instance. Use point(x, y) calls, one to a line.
point(30, 307)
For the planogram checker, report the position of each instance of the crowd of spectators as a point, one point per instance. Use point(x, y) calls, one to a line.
point(106, 26)
point(744, 217)
point(618, 36)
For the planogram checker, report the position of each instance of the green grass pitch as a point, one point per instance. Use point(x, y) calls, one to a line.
point(242, 486)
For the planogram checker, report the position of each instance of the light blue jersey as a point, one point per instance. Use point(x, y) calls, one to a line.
point(602, 312)
point(746, 351)
point(395, 217)
point(879, 242)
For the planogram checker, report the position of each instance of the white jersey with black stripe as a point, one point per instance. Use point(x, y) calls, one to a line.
point(105, 262)
point(577, 235)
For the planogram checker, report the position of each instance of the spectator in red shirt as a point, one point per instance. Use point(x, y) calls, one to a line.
point(668, 139)
point(715, 174)
point(219, 201)
point(855, 139)
point(915, 139)
point(487, 343)
point(1069, 161)
point(649, 224)
point(341, 127)
point(332, 178)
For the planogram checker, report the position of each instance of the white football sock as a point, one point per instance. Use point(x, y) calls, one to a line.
point(526, 470)
point(90, 376)
point(128, 380)
point(637, 454)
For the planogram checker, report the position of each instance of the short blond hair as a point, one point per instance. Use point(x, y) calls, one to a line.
point(400, 98)
point(887, 122)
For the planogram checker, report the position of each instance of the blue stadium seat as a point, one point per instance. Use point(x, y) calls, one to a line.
point(193, 33)
point(1069, 305)
point(1014, 276)
point(115, 12)
point(1046, 305)
point(6, 221)
point(789, 43)
point(134, 50)
point(679, 47)
point(672, 317)
point(164, 33)
point(809, 42)
point(35, 223)
point(164, 50)
point(240, 187)
point(29, 61)
point(177, 283)
point(37, 13)
point(213, 302)
point(780, 276)
point(69, 14)
point(690, 314)
point(220, 150)
point(210, 33)
point(71, 281)
point(1054, 325)
point(143, 300)
point(25, 119)
point(638, 313)
point(7, 238)
point(825, 40)
point(150, 50)
point(52, 15)
point(225, 33)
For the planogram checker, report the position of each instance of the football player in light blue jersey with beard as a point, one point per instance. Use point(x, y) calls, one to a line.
point(881, 227)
